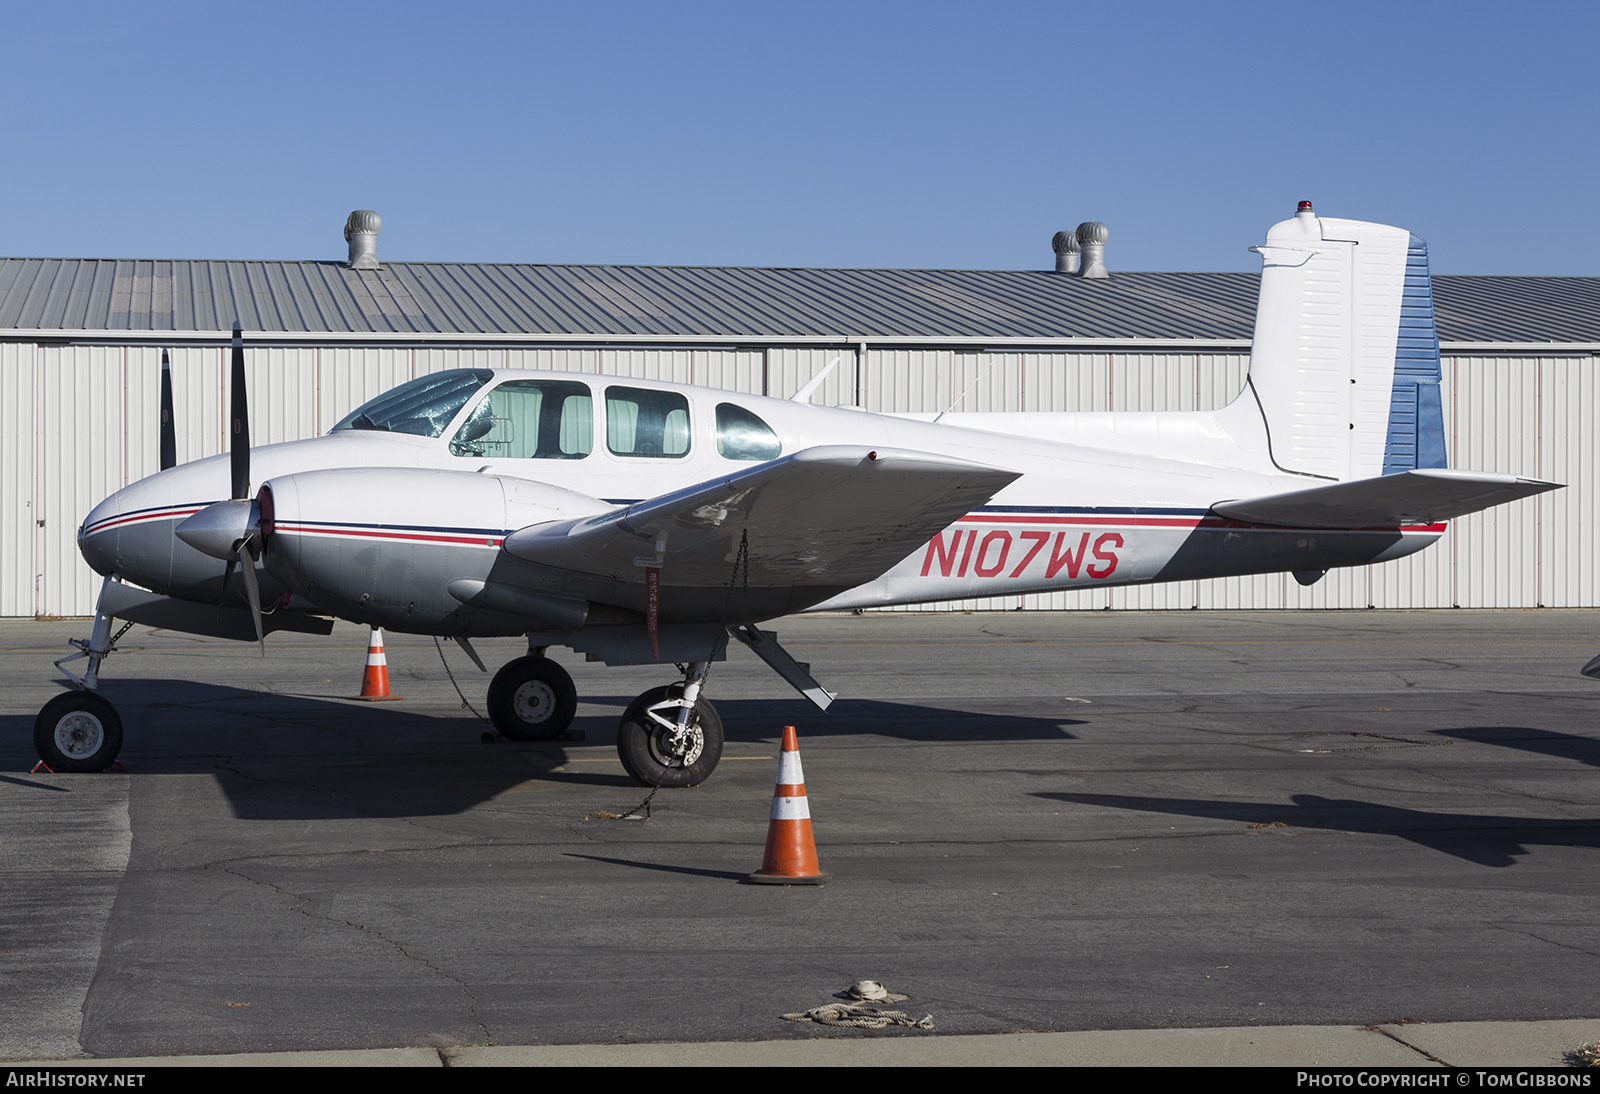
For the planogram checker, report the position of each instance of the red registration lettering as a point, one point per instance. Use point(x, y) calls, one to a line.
point(1071, 561)
point(1103, 555)
point(972, 537)
point(1039, 540)
point(990, 569)
point(947, 558)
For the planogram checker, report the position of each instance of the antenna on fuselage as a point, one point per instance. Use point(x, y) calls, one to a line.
point(805, 393)
point(968, 388)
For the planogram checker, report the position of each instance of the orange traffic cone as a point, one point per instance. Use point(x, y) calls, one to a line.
point(791, 857)
point(375, 681)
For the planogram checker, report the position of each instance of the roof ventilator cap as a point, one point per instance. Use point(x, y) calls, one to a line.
point(1065, 245)
point(1092, 238)
point(361, 232)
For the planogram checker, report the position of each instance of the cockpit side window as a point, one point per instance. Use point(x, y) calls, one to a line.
point(530, 420)
point(743, 436)
point(641, 422)
point(424, 407)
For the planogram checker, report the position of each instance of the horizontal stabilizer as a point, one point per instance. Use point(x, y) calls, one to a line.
point(836, 515)
point(1425, 496)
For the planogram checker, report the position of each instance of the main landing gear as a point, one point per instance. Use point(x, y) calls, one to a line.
point(669, 736)
point(78, 730)
point(532, 699)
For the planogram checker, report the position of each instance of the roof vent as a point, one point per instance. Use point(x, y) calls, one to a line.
point(361, 232)
point(1065, 245)
point(1092, 238)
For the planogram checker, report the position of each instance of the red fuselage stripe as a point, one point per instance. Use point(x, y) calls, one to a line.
point(418, 537)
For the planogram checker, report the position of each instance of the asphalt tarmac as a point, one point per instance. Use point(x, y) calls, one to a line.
point(1058, 822)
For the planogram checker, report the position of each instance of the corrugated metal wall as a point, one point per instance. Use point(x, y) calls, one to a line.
point(78, 422)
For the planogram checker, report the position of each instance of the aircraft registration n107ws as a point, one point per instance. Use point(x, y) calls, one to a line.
point(644, 523)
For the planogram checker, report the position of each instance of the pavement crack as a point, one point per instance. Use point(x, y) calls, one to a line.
point(1402, 1041)
point(1541, 938)
point(298, 907)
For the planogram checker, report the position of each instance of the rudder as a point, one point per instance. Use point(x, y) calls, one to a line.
point(1344, 364)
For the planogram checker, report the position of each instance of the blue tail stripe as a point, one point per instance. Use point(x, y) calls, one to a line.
point(1416, 412)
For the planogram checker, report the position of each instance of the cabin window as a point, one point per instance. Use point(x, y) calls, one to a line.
point(652, 424)
point(530, 420)
point(424, 407)
point(743, 436)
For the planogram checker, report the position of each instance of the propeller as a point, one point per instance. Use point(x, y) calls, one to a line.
point(239, 413)
point(231, 530)
point(169, 436)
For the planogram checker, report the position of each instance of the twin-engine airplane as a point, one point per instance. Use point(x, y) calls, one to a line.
point(641, 522)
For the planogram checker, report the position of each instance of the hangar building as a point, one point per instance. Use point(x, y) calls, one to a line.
point(81, 343)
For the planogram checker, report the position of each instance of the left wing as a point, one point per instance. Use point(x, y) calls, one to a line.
point(835, 515)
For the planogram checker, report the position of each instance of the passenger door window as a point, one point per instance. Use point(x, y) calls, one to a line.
point(743, 436)
point(530, 420)
point(652, 424)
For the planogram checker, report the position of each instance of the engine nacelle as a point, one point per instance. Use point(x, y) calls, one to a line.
point(382, 546)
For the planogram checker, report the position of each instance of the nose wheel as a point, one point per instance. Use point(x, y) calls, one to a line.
point(78, 731)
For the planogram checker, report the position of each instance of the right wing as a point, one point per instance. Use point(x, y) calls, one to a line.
point(835, 515)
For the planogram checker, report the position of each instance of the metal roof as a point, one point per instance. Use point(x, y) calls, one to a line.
point(433, 300)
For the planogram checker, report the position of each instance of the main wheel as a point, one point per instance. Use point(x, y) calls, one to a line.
point(77, 731)
point(532, 699)
point(642, 741)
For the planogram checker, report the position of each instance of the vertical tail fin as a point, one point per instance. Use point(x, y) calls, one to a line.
point(1345, 360)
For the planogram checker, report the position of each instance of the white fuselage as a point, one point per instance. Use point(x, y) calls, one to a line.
point(1102, 499)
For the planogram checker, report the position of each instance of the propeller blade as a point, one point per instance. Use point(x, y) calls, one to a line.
point(247, 563)
point(169, 435)
point(239, 434)
point(227, 576)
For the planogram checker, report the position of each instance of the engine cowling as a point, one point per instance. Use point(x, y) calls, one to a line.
point(382, 546)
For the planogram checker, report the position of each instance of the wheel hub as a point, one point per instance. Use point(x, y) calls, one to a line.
point(673, 749)
point(534, 702)
point(79, 735)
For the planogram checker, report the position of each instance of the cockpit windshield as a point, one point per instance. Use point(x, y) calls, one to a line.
point(423, 407)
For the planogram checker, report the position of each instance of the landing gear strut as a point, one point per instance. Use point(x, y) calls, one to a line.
point(670, 736)
point(78, 730)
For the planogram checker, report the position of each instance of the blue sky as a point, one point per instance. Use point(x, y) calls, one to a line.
point(817, 134)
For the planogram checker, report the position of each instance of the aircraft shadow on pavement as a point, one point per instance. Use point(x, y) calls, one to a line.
point(764, 719)
point(280, 756)
point(728, 875)
point(1545, 742)
point(1476, 837)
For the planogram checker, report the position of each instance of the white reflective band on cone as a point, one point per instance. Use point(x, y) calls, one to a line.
point(789, 772)
point(790, 809)
point(376, 657)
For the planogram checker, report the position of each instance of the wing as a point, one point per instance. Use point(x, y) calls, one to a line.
point(1409, 497)
point(835, 515)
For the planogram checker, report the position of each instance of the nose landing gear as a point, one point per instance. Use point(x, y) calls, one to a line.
point(78, 730)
